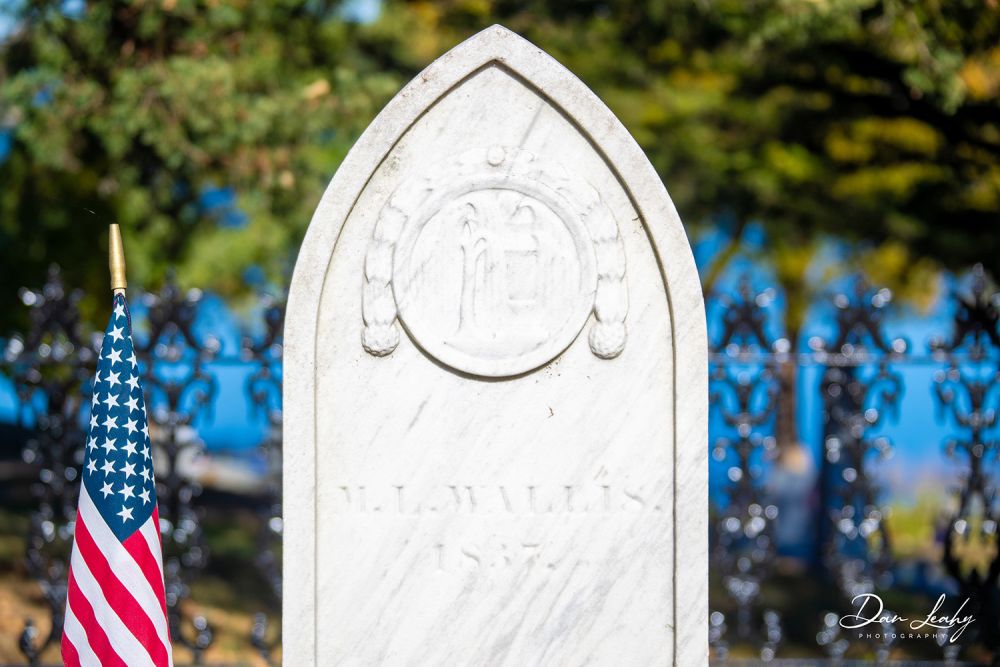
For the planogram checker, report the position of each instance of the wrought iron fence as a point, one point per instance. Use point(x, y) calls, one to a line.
point(753, 396)
point(52, 366)
point(860, 383)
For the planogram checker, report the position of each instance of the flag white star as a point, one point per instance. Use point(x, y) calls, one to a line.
point(131, 425)
point(115, 356)
point(145, 430)
point(112, 379)
point(126, 491)
point(96, 399)
point(110, 423)
point(108, 467)
point(91, 444)
point(91, 466)
point(132, 403)
point(145, 452)
point(93, 420)
point(116, 334)
point(133, 382)
point(109, 446)
point(125, 514)
point(119, 310)
point(111, 401)
point(144, 494)
point(145, 474)
point(106, 489)
point(129, 448)
point(129, 469)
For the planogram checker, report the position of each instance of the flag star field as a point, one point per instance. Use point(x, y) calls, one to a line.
point(118, 468)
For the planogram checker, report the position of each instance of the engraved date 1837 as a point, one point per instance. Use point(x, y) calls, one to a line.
point(454, 558)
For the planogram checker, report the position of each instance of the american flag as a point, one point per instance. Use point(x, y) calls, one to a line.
point(116, 613)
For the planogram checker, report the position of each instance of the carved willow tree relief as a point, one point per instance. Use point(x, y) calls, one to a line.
point(493, 261)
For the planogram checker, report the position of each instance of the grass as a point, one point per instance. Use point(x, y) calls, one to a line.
point(231, 590)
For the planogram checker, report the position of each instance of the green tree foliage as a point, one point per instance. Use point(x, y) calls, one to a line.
point(133, 110)
point(876, 121)
point(873, 120)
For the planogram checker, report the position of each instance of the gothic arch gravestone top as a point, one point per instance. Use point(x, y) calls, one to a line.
point(495, 387)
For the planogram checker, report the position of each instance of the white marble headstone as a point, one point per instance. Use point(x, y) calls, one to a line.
point(495, 387)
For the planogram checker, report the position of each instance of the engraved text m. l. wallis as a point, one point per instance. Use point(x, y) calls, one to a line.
point(494, 261)
point(499, 499)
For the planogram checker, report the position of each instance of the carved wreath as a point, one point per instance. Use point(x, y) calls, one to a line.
point(379, 309)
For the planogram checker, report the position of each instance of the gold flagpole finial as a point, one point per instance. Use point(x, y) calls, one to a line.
point(116, 260)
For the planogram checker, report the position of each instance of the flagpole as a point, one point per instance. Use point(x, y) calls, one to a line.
point(116, 260)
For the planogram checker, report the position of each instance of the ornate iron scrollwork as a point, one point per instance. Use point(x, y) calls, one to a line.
point(859, 388)
point(968, 395)
point(179, 390)
point(744, 393)
point(263, 389)
point(52, 368)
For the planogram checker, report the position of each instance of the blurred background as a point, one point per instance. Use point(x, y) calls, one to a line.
point(836, 163)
